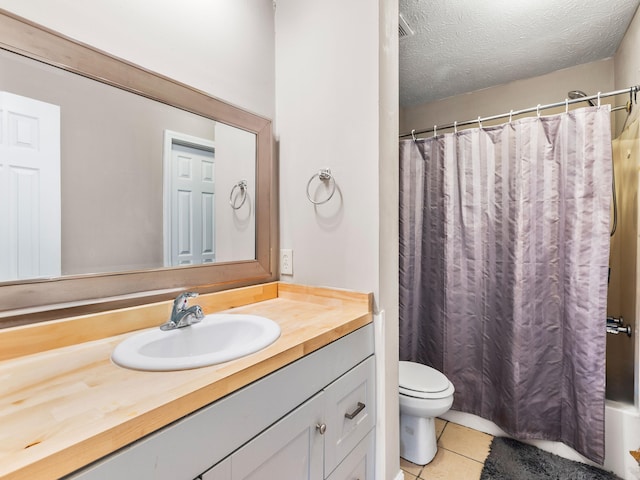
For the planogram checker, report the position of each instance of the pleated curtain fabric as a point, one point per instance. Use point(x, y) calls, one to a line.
point(504, 248)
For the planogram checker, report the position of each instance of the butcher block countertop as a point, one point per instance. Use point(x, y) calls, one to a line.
point(64, 404)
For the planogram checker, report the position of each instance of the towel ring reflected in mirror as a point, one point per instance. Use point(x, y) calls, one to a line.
point(324, 175)
point(242, 185)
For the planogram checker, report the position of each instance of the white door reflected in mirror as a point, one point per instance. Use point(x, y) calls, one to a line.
point(189, 231)
point(200, 226)
point(30, 221)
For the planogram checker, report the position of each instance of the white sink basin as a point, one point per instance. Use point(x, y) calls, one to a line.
point(217, 338)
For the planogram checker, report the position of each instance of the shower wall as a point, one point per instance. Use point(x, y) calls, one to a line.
point(623, 264)
point(627, 72)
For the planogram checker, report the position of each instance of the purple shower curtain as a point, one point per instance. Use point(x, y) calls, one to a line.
point(504, 248)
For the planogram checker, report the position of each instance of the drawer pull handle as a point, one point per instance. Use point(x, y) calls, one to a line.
point(321, 427)
point(353, 414)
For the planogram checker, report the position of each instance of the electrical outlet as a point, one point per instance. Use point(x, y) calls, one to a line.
point(286, 261)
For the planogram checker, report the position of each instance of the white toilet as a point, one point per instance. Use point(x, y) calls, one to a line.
point(425, 393)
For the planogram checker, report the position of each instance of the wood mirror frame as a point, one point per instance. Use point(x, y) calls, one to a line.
point(45, 299)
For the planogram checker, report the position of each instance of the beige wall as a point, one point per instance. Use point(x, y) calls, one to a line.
point(591, 78)
point(627, 67)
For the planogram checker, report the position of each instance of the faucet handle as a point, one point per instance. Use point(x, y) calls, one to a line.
point(190, 316)
point(181, 300)
point(197, 314)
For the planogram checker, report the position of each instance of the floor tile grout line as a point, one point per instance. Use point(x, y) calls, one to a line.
point(419, 472)
point(462, 455)
point(411, 474)
point(442, 431)
point(424, 468)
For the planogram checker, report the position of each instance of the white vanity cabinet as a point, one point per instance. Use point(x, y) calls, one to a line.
point(359, 464)
point(314, 439)
point(292, 448)
point(350, 412)
point(289, 425)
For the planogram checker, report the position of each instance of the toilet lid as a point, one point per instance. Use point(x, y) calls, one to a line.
point(421, 378)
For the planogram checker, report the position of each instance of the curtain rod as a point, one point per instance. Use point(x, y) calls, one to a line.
point(538, 108)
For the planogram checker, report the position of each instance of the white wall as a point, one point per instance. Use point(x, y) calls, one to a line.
point(235, 227)
point(327, 116)
point(388, 444)
point(336, 107)
point(222, 47)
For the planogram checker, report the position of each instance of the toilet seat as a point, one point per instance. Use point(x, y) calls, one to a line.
point(421, 381)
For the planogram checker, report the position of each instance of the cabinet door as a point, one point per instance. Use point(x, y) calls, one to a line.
point(359, 464)
point(221, 471)
point(291, 449)
point(351, 412)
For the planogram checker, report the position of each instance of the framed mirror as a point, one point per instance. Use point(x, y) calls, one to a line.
point(147, 186)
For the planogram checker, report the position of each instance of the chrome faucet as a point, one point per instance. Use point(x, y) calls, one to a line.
point(181, 316)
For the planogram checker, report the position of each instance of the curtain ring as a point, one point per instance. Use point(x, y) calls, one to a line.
point(435, 130)
point(510, 115)
point(538, 110)
point(242, 185)
point(413, 134)
point(324, 175)
point(455, 126)
point(599, 99)
point(566, 105)
point(479, 122)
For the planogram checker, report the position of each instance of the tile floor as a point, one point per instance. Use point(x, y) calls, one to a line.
point(461, 454)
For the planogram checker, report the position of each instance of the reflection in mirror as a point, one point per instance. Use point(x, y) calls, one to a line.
point(98, 205)
point(121, 216)
point(200, 225)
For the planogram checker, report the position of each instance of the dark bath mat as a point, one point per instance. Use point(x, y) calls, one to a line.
point(513, 460)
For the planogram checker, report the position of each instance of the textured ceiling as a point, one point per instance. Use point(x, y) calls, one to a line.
point(464, 45)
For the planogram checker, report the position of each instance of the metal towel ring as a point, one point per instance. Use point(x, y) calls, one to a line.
point(324, 175)
point(242, 185)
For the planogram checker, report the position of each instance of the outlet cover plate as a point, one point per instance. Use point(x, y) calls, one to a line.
point(286, 261)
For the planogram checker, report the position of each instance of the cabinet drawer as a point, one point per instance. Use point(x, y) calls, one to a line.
point(351, 411)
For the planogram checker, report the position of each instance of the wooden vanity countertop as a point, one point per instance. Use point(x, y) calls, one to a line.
point(65, 404)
